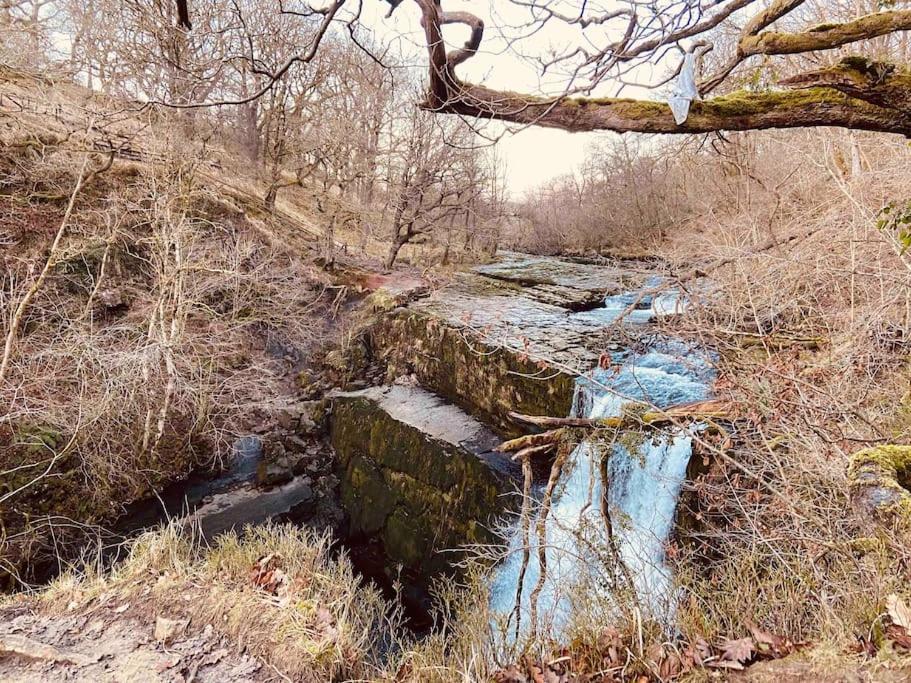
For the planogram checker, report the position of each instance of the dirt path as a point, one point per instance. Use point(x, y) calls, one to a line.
point(116, 642)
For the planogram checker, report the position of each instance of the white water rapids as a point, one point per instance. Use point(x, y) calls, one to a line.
point(644, 475)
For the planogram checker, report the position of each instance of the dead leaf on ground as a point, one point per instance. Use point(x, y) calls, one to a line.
point(268, 575)
point(734, 654)
point(671, 666)
point(863, 646)
point(510, 674)
point(769, 645)
point(899, 612)
point(900, 638)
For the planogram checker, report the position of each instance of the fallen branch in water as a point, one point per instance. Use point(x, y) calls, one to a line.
point(557, 428)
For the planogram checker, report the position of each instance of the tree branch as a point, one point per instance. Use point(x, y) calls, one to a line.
point(877, 83)
point(860, 103)
point(830, 104)
point(827, 36)
point(822, 37)
point(471, 46)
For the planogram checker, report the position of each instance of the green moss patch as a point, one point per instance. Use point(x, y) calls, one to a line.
point(417, 492)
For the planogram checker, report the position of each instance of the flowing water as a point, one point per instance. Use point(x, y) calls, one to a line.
point(588, 531)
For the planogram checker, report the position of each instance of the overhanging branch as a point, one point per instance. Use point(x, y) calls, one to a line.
point(805, 107)
point(874, 99)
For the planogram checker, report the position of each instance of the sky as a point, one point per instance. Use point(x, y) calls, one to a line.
point(535, 155)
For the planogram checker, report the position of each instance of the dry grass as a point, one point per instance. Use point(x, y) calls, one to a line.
point(315, 622)
point(813, 337)
point(142, 349)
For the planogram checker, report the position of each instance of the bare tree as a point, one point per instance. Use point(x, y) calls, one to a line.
point(617, 40)
point(436, 180)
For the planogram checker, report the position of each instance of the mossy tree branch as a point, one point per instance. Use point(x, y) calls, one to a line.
point(827, 36)
point(817, 38)
point(845, 96)
point(830, 104)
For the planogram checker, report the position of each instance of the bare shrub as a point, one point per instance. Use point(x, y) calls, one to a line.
point(141, 347)
point(809, 312)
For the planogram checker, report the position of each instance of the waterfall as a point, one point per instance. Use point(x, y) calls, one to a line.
point(643, 475)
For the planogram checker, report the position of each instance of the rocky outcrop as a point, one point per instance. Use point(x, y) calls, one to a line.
point(291, 440)
point(417, 473)
point(486, 379)
point(507, 336)
point(234, 509)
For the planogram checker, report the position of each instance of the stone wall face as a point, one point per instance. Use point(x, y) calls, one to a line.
point(487, 381)
point(413, 489)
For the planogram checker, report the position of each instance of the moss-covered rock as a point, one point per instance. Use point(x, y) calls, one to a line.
point(418, 473)
point(880, 481)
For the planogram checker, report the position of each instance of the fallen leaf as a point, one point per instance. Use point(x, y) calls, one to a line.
point(899, 637)
point(537, 673)
point(864, 647)
point(267, 574)
point(699, 650)
point(671, 666)
point(898, 612)
point(740, 651)
point(123, 608)
point(166, 663)
point(770, 645)
point(509, 675)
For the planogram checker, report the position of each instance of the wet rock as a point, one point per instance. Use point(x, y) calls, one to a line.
point(274, 473)
point(237, 508)
point(310, 385)
point(489, 379)
point(300, 417)
point(417, 473)
point(531, 271)
point(508, 336)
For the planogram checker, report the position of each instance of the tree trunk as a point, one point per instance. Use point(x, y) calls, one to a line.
point(270, 197)
point(393, 253)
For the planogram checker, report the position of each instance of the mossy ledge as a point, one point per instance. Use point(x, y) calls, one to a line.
point(418, 474)
point(486, 381)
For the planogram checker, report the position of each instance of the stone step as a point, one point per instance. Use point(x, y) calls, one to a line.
point(419, 474)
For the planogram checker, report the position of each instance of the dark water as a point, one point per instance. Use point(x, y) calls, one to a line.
point(184, 497)
point(228, 501)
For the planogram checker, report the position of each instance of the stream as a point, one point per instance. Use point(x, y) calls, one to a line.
point(587, 532)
